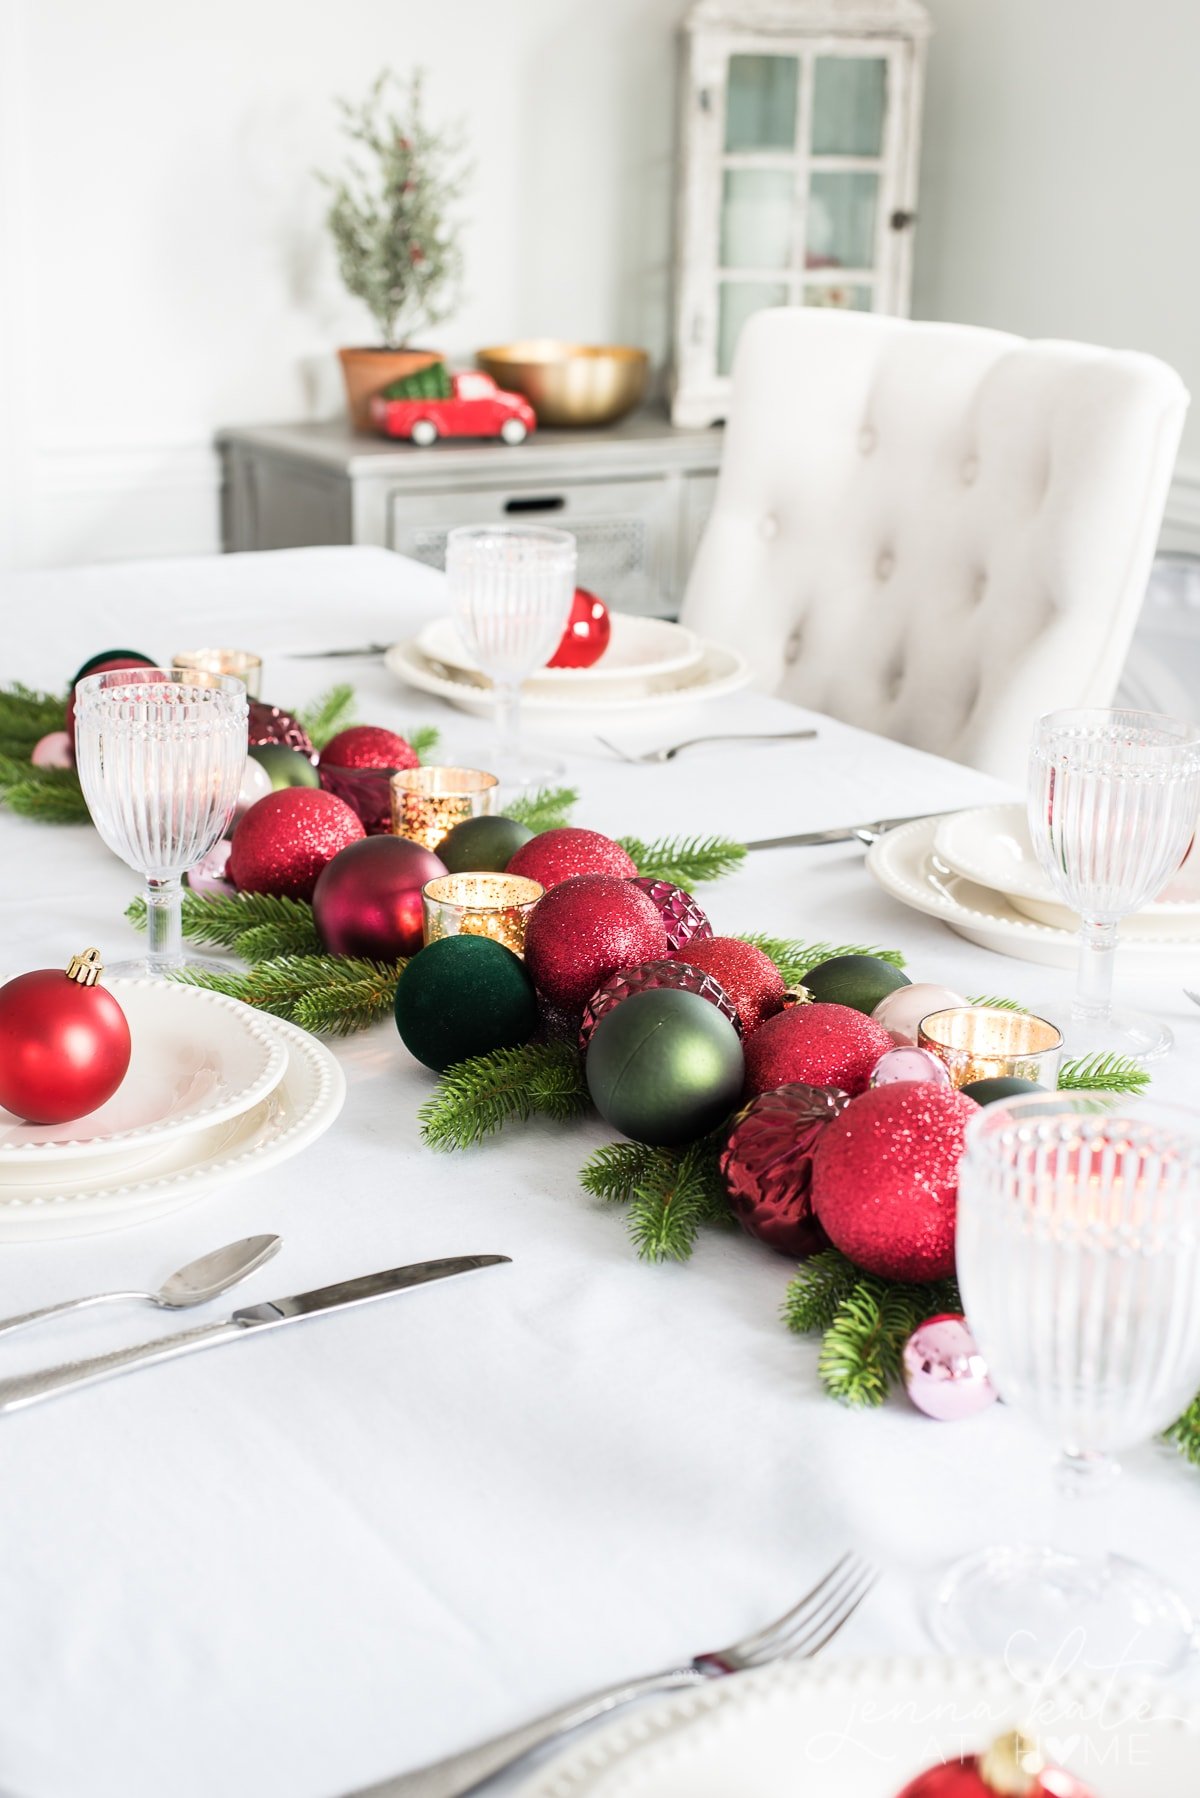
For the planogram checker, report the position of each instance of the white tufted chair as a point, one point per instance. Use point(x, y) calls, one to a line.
point(933, 531)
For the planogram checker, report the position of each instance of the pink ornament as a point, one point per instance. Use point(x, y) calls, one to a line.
point(53, 751)
point(208, 877)
point(905, 1063)
point(944, 1373)
point(901, 1012)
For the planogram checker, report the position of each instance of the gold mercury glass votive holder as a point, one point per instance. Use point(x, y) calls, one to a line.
point(983, 1042)
point(495, 905)
point(428, 802)
point(243, 664)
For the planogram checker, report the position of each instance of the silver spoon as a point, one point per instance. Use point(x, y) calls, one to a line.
point(194, 1284)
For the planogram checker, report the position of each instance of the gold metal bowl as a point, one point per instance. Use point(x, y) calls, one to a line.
point(570, 383)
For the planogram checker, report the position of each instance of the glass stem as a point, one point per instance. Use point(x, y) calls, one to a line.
point(1093, 991)
point(164, 921)
point(1079, 1481)
point(508, 721)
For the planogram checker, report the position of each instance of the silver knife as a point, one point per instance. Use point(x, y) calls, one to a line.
point(28, 1389)
point(846, 833)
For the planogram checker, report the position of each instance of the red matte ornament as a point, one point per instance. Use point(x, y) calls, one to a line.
point(286, 839)
point(750, 978)
point(1011, 1768)
point(822, 1045)
point(766, 1165)
point(685, 921)
point(64, 1042)
point(584, 930)
point(558, 855)
point(369, 746)
point(367, 900)
point(587, 635)
point(649, 977)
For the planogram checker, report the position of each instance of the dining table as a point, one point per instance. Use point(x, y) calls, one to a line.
point(302, 1565)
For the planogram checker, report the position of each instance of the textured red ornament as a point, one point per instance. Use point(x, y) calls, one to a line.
point(586, 637)
point(822, 1045)
point(271, 724)
point(558, 855)
point(885, 1179)
point(648, 977)
point(683, 918)
point(766, 1165)
point(369, 746)
point(367, 900)
point(64, 1048)
point(750, 978)
point(584, 930)
point(284, 841)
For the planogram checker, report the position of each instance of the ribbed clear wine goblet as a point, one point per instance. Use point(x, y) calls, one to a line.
point(1078, 1247)
point(1114, 799)
point(161, 759)
point(511, 588)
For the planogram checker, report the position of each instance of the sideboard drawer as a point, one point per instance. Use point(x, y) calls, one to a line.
point(625, 530)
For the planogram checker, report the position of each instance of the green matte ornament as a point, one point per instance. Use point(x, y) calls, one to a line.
point(287, 767)
point(664, 1067)
point(1004, 1086)
point(464, 996)
point(859, 981)
point(482, 845)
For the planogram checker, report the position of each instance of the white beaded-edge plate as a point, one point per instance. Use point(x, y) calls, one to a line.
point(906, 865)
point(863, 1729)
point(638, 648)
point(301, 1108)
point(719, 671)
point(197, 1059)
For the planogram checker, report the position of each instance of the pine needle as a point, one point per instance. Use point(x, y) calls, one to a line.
point(614, 1172)
point(991, 1003)
point(862, 1346)
point(280, 926)
point(1103, 1074)
point(27, 715)
point(423, 741)
point(267, 942)
point(478, 1097)
point(547, 809)
point(820, 1285)
point(1184, 1433)
point(685, 861)
point(328, 714)
point(794, 959)
point(52, 795)
point(330, 995)
point(679, 1190)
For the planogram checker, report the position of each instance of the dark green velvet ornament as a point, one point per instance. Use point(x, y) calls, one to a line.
point(287, 767)
point(664, 1067)
point(482, 845)
point(859, 981)
point(1004, 1086)
point(464, 996)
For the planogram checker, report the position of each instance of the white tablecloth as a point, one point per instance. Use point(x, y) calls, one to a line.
point(304, 1563)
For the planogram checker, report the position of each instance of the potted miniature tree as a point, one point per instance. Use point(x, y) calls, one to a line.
point(397, 244)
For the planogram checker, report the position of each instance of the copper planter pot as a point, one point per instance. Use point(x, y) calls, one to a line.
point(570, 383)
point(368, 372)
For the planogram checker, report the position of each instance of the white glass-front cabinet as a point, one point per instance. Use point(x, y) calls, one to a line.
point(800, 133)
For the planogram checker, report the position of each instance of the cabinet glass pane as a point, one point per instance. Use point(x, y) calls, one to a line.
point(738, 299)
point(757, 218)
point(852, 298)
point(841, 219)
point(849, 97)
point(760, 103)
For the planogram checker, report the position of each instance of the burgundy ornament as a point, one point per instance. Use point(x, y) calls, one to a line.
point(271, 724)
point(367, 900)
point(766, 1165)
point(682, 917)
point(648, 977)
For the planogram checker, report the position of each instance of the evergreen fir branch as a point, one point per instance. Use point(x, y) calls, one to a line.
point(223, 919)
point(684, 861)
point(476, 1098)
point(614, 1172)
point(268, 942)
point(328, 714)
point(1184, 1433)
point(820, 1285)
point(794, 959)
point(547, 809)
point(423, 741)
point(26, 716)
point(679, 1190)
point(1103, 1074)
point(328, 994)
point(52, 795)
point(991, 1003)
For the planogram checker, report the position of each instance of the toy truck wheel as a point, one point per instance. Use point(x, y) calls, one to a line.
point(424, 432)
point(513, 431)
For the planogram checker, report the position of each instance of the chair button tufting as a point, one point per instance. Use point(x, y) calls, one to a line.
point(867, 440)
point(884, 565)
point(970, 469)
point(769, 528)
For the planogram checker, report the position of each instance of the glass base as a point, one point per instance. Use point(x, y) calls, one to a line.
point(524, 772)
point(1037, 1605)
point(142, 967)
point(1120, 1033)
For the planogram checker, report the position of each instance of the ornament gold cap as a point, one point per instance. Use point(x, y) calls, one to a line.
point(1011, 1766)
point(797, 995)
point(85, 969)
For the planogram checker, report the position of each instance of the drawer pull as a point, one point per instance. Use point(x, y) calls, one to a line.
point(550, 502)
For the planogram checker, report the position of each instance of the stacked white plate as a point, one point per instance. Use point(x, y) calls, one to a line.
point(649, 664)
point(214, 1091)
point(977, 871)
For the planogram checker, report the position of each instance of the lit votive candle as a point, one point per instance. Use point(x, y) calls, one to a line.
point(428, 802)
point(241, 663)
point(984, 1042)
point(495, 905)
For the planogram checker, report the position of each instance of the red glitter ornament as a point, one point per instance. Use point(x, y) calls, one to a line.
point(558, 855)
point(367, 900)
point(822, 1045)
point(64, 1042)
point(683, 918)
point(271, 724)
point(885, 1179)
point(648, 977)
point(369, 746)
point(766, 1165)
point(284, 841)
point(586, 637)
point(750, 978)
point(584, 930)
point(1011, 1768)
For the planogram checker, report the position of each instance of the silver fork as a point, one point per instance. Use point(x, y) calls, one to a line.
point(668, 755)
point(798, 1635)
point(1194, 997)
